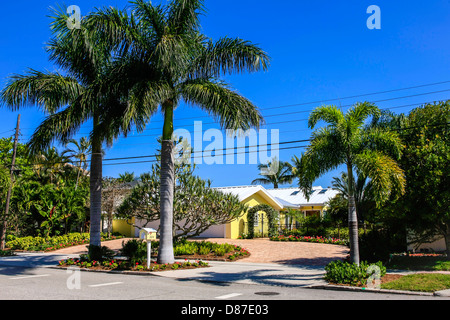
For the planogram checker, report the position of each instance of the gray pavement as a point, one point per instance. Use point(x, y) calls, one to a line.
point(239, 272)
point(243, 273)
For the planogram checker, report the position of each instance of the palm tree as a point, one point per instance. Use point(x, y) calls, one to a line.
point(81, 153)
point(346, 140)
point(73, 99)
point(50, 163)
point(126, 177)
point(362, 193)
point(277, 173)
point(165, 60)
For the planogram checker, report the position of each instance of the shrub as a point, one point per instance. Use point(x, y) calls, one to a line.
point(220, 251)
point(49, 243)
point(134, 250)
point(204, 250)
point(100, 253)
point(185, 248)
point(340, 272)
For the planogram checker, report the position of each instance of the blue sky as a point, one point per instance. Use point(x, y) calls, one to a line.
point(320, 50)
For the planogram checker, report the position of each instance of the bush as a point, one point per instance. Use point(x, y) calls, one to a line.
point(134, 250)
point(378, 245)
point(340, 272)
point(49, 243)
point(100, 253)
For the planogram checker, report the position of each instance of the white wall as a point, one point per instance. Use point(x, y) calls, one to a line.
point(218, 231)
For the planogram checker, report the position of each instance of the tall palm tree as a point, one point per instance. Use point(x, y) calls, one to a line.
point(281, 175)
point(347, 140)
point(73, 99)
point(164, 61)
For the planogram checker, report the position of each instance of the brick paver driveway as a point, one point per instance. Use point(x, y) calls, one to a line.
point(302, 253)
point(262, 251)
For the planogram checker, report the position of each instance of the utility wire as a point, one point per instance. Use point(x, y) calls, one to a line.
point(226, 149)
point(327, 100)
point(290, 113)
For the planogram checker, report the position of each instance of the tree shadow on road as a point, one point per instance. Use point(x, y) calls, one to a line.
point(271, 277)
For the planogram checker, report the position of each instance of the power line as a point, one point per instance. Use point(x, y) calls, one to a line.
point(226, 149)
point(327, 100)
point(303, 111)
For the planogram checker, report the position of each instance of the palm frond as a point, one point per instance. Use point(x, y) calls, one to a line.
point(331, 114)
point(232, 110)
point(324, 154)
point(387, 178)
point(184, 15)
point(227, 56)
point(49, 91)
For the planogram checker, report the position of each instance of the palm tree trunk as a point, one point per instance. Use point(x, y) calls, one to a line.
point(96, 192)
point(352, 218)
point(165, 252)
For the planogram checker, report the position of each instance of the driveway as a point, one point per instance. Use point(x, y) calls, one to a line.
point(261, 251)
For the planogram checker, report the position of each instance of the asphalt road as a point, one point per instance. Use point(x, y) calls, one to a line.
point(19, 283)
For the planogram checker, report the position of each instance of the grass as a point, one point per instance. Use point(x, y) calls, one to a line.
point(424, 282)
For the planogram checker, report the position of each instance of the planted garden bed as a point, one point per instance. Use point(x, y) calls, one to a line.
point(48, 244)
point(310, 239)
point(125, 265)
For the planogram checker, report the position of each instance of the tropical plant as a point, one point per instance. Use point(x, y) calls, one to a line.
point(197, 206)
point(424, 208)
point(346, 140)
point(275, 172)
point(126, 177)
point(164, 60)
point(363, 194)
point(82, 149)
point(73, 99)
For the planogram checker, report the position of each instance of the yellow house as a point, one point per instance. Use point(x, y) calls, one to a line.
point(293, 198)
point(279, 199)
point(251, 196)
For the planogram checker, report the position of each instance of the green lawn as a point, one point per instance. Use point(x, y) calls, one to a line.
point(424, 282)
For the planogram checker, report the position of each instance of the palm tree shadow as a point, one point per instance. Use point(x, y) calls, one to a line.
point(270, 277)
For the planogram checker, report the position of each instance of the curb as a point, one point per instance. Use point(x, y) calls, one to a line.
point(385, 291)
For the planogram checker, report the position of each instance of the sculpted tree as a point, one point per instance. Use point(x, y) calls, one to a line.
point(197, 206)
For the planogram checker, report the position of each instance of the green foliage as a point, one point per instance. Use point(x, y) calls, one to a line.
point(134, 250)
point(100, 253)
point(48, 243)
point(378, 245)
point(196, 204)
point(420, 282)
point(426, 158)
point(340, 272)
point(272, 217)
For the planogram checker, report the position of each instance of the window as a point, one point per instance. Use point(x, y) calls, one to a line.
point(323, 191)
point(295, 193)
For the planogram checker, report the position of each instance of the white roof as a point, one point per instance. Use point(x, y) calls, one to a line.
point(296, 198)
point(243, 192)
point(285, 197)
